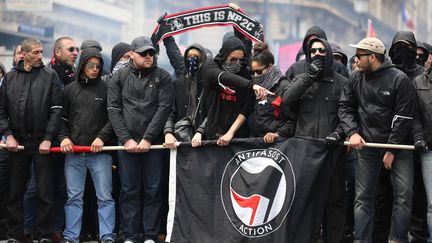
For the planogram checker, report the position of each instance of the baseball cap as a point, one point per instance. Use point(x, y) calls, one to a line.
point(371, 44)
point(142, 44)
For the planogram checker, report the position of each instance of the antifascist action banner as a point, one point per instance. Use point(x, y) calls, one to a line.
point(247, 192)
point(207, 17)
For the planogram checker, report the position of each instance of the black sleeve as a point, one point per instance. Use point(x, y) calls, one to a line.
point(202, 127)
point(64, 128)
point(246, 42)
point(106, 133)
point(165, 103)
point(169, 124)
point(54, 121)
point(213, 76)
point(348, 108)
point(404, 109)
point(115, 106)
point(175, 57)
point(4, 113)
point(295, 90)
point(417, 131)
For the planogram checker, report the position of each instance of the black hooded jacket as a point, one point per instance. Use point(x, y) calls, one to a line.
point(423, 121)
point(85, 115)
point(221, 105)
point(30, 104)
point(378, 105)
point(139, 102)
point(315, 102)
point(188, 88)
point(413, 70)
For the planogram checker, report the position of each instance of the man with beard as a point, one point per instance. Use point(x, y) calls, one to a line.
point(30, 111)
point(403, 54)
point(377, 105)
point(313, 97)
point(65, 54)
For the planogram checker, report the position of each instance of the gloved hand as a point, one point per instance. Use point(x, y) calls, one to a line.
point(161, 18)
point(421, 146)
point(332, 138)
point(315, 68)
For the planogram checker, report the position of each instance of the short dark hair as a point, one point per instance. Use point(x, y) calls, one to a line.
point(59, 42)
point(27, 44)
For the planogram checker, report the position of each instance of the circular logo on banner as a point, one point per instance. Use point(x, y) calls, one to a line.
point(176, 24)
point(257, 190)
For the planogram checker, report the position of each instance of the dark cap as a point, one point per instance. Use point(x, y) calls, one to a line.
point(142, 44)
point(91, 43)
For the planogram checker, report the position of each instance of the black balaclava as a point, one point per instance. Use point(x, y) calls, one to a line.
point(401, 54)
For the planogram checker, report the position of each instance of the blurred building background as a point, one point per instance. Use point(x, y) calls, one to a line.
point(285, 22)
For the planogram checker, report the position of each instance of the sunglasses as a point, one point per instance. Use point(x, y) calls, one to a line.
point(72, 49)
point(320, 50)
point(362, 55)
point(259, 71)
point(145, 53)
point(91, 65)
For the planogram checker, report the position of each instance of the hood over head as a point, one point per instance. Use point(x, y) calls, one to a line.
point(404, 58)
point(328, 60)
point(84, 57)
point(231, 44)
point(338, 50)
point(314, 30)
point(118, 51)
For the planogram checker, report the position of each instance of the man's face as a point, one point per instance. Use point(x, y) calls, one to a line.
point(317, 49)
point(92, 68)
point(144, 59)
point(364, 63)
point(18, 54)
point(67, 52)
point(33, 58)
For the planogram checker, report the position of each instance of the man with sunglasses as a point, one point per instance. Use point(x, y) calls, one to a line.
point(85, 123)
point(377, 105)
point(63, 60)
point(313, 97)
point(140, 99)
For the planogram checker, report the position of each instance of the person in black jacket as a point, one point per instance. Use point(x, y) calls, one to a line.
point(188, 90)
point(313, 97)
point(272, 118)
point(85, 123)
point(140, 99)
point(377, 105)
point(30, 111)
point(228, 97)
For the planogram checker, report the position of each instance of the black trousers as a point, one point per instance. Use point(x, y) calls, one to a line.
point(4, 187)
point(19, 169)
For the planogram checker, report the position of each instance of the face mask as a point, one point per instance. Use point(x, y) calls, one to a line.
point(320, 58)
point(193, 65)
point(232, 67)
point(404, 57)
point(119, 65)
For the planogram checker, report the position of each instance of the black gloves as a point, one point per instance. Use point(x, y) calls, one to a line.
point(315, 68)
point(332, 138)
point(421, 146)
point(161, 18)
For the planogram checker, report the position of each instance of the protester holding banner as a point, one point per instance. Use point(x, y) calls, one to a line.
point(377, 105)
point(85, 122)
point(228, 97)
point(272, 118)
point(314, 97)
point(30, 111)
point(140, 99)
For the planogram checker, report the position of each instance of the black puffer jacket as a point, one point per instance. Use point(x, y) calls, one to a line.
point(188, 88)
point(273, 115)
point(316, 101)
point(139, 102)
point(85, 115)
point(222, 106)
point(423, 121)
point(378, 105)
point(30, 104)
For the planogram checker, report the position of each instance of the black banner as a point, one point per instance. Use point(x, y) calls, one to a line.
point(247, 192)
point(207, 17)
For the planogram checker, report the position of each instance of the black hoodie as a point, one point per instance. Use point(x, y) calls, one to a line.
point(315, 102)
point(85, 115)
point(222, 106)
point(412, 69)
point(187, 91)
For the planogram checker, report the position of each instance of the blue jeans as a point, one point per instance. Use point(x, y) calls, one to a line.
point(140, 172)
point(367, 175)
point(426, 164)
point(76, 166)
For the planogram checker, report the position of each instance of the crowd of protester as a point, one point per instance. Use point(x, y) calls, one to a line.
point(380, 95)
